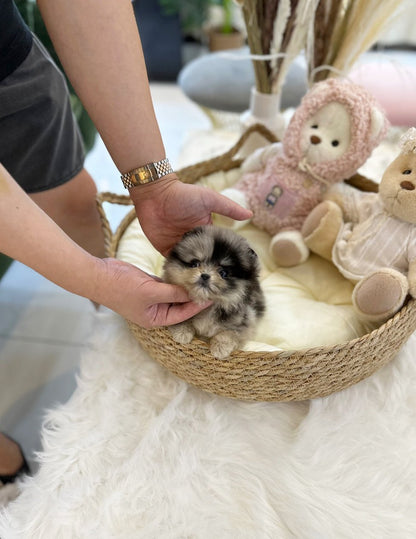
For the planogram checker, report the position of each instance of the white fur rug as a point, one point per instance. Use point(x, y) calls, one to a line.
point(137, 453)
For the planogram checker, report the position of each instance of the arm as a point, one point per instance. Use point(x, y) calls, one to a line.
point(27, 234)
point(99, 46)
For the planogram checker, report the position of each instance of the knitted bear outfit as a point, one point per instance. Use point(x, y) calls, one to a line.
point(287, 188)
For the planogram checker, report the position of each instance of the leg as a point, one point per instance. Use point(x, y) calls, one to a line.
point(72, 206)
point(182, 333)
point(380, 295)
point(288, 249)
point(321, 227)
point(224, 343)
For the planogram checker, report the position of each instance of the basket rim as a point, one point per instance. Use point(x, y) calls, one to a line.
point(130, 217)
point(312, 351)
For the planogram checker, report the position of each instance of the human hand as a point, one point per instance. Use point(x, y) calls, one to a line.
point(168, 208)
point(140, 297)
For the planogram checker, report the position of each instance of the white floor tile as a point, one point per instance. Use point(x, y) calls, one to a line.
point(34, 377)
point(31, 307)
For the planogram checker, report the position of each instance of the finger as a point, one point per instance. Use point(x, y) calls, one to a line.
point(168, 293)
point(176, 313)
point(225, 206)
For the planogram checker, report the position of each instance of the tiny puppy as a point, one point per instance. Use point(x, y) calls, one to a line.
point(217, 264)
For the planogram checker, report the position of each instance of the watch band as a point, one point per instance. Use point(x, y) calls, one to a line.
point(146, 174)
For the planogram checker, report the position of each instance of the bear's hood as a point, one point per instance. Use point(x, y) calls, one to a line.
point(359, 104)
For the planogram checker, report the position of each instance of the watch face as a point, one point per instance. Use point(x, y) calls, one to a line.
point(142, 175)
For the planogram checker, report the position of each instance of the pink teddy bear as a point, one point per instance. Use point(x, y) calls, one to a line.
point(331, 134)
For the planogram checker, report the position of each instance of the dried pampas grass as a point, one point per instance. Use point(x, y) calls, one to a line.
point(343, 30)
point(333, 34)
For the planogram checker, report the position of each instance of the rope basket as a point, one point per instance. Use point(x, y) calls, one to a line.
point(265, 376)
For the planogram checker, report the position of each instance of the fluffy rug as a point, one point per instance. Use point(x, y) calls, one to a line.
point(138, 453)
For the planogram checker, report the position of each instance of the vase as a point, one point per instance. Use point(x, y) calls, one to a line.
point(264, 109)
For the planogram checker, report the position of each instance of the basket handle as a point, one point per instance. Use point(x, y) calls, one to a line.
point(226, 160)
point(113, 198)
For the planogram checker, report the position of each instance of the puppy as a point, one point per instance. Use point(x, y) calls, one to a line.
point(217, 264)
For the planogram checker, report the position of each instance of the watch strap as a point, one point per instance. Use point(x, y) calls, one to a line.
point(146, 173)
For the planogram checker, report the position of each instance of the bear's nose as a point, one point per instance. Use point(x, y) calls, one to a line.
point(409, 186)
point(315, 140)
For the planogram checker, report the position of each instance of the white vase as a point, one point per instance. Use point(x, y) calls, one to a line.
point(264, 109)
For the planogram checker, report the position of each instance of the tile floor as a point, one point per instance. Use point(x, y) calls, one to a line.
point(43, 329)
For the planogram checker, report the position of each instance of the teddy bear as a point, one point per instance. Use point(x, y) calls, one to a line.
point(371, 237)
point(330, 135)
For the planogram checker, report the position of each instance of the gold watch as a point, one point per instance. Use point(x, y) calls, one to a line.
point(146, 174)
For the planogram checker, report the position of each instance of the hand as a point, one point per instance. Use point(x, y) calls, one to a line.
point(139, 297)
point(168, 208)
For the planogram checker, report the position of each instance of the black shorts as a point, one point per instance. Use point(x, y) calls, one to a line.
point(40, 143)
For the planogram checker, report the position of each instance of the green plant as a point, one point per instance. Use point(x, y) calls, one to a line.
point(227, 24)
point(194, 13)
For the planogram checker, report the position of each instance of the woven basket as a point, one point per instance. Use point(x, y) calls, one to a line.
point(266, 376)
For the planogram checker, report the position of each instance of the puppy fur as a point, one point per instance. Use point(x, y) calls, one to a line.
point(217, 264)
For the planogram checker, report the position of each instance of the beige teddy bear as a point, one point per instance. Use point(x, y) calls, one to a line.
point(371, 237)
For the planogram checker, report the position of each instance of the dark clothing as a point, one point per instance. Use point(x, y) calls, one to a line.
point(15, 38)
point(40, 143)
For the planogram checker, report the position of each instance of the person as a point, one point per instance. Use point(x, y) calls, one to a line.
point(55, 228)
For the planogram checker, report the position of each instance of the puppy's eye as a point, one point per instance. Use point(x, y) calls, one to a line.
point(194, 263)
point(223, 273)
point(407, 171)
point(335, 143)
point(314, 126)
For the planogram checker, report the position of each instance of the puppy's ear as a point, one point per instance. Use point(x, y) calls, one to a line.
point(252, 254)
point(194, 232)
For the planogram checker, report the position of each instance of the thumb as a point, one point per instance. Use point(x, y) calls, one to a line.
point(227, 207)
point(171, 314)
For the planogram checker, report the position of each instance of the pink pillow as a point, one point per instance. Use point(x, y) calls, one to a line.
point(393, 85)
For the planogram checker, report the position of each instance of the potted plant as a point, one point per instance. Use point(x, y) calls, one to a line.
point(225, 35)
point(194, 16)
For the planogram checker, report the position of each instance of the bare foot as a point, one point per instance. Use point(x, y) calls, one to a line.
point(11, 458)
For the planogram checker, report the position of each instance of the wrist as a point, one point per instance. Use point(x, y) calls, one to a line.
point(147, 173)
point(152, 190)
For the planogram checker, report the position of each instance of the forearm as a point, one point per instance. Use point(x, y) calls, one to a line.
point(28, 235)
point(99, 46)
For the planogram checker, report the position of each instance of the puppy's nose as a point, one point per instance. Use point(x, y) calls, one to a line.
point(409, 186)
point(315, 140)
point(205, 277)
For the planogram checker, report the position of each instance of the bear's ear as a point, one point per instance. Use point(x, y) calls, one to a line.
point(377, 122)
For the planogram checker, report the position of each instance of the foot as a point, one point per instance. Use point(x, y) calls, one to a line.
point(380, 295)
point(288, 249)
point(12, 465)
point(11, 457)
point(182, 333)
point(321, 227)
point(223, 344)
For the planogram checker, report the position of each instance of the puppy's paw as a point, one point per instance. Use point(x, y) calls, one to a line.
point(223, 344)
point(182, 333)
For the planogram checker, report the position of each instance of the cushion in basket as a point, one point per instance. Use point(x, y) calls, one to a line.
point(306, 306)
